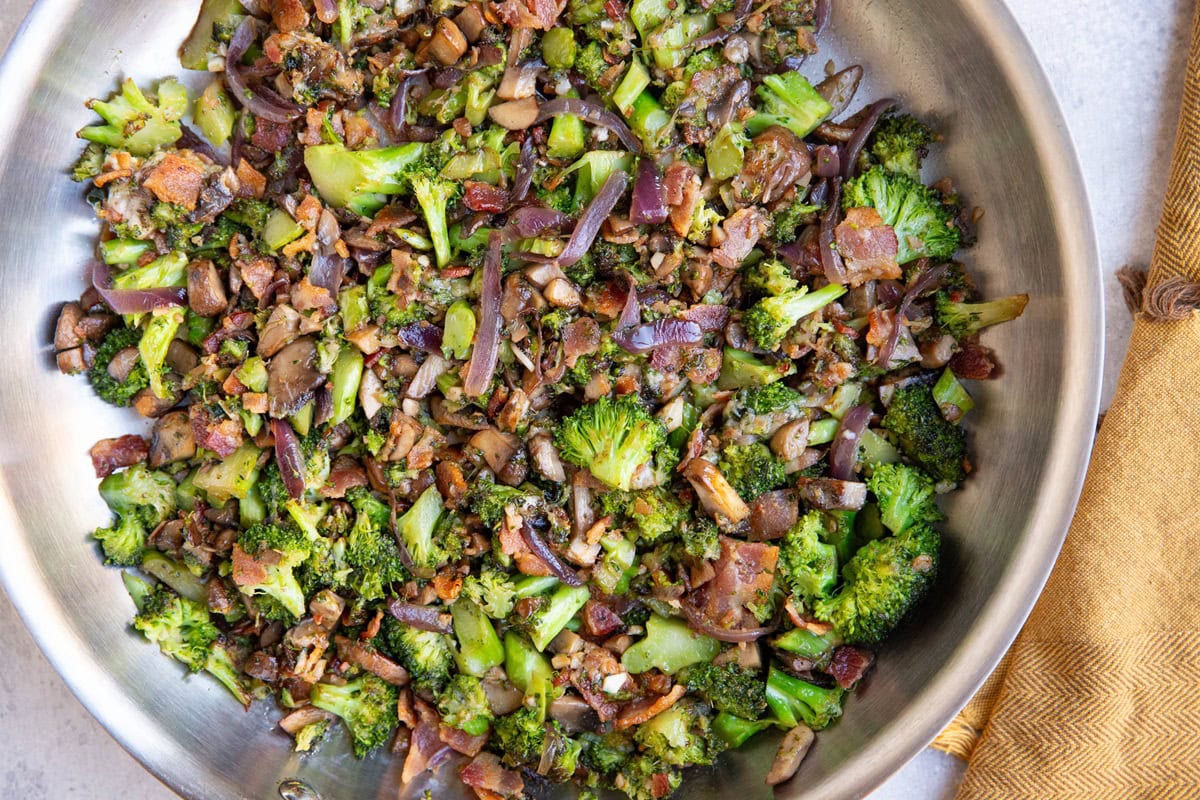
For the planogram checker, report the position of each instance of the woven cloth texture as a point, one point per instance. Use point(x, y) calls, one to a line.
point(1098, 697)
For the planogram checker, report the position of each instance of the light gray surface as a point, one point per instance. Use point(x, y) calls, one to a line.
point(1116, 67)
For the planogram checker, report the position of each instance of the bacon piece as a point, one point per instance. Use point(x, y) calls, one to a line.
point(288, 15)
point(745, 573)
point(222, 437)
point(251, 182)
point(849, 664)
point(345, 474)
point(742, 230)
point(600, 621)
point(371, 661)
point(709, 317)
point(461, 741)
point(868, 246)
point(177, 180)
point(258, 274)
point(537, 14)
point(973, 362)
point(580, 338)
point(251, 570)
point(480, 196)
point(683, 194)
point(426, 750)
point(270, 136)
point(588, 678)
point(647, 708)
point(109, 455)
point(485, 772)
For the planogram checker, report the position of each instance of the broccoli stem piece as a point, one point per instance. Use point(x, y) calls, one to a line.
point(459, 329)
point(952, 397)
point(791, 101)
point(153, 346)
point(231, 477)
point(215, 114)
point(174, 575)
point(740, 370)
point(670, 645)
point(809, 645)
point(347, 376)
point(169, 271)
point(360, 179)
point(555, 613)
point(134, 123)
point(961, 320)
point(735, 731)
point(368, 707)
point(479, 648)
point(123, 252)
point(770, 320)
point(650, 121)
point(529, 671)
point(794, 702)
point(202, 43)
point(724, 155)
point(416, 529)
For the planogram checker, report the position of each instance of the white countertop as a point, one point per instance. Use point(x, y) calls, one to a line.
point(1117, 67)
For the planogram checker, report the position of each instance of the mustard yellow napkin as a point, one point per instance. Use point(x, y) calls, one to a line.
point(1100, 695)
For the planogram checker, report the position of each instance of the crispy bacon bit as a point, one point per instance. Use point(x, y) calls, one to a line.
point(486, 773)
point(588, 678)
point(647, 708)
point(177, 180)
point(709, 317)
point(615, 9)
point(109, 455)
point(258, 274)
point(580, 338)
point(775, 162)
point(308, 297)
point(973, 362)
point(480, 196)
point(849, 664)
point(251, 182)
point(742, 231)
point(868, 246)
point(683, 194)
point(425, 750)
point(461, 741)
point(600, 621)
point(288, 15)
point(251, 570)
point(537, 14)
point(345, 474)
point(745, 572)
point(270, 136)
point(221, 436)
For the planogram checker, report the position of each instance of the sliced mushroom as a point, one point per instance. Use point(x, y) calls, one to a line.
point(65, 336)
point(573, 713)
point(122, 363)
point(497, 448)
point(206, 293)
point(829, 494)
point(448, 44)
point(173, 440)
point(715, 493)
point(792, 751)
point(516, 115)
point(293, 377)
point(282, 327)
point(545, 458)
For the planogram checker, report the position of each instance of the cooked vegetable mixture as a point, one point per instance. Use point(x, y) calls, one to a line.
point(567, 387)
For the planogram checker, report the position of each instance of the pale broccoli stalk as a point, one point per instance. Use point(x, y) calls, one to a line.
point(136, 124)
point(961, 320)
point(791, 101)
point(142, 499)
point(795, 702)
point(669, 645)
point(156, 340)
point(553, 614)
point(360, 179)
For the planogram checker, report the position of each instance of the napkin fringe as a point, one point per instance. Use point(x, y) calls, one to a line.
point(1173, 299)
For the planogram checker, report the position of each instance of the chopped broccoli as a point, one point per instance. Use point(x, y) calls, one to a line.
point(492, 590)
point(924, 224)
point(136, 124)
point(883, 582)
point(787, 221)
point(563, 751)
point(617, 565)
point(669, 645)
point(428, 656)
point(154, 344)
point(366, 704)
point(183, 630)
point(751, 469)
point(728, 687)
point(464, 705)
point(613, 439)
point(434, 195)
point(310, 736)
point(808, 645)
point(360, 179)
point(279, 582)
point(519, 736)
point(761, 410)
point(680, 736)
point(590, 64)
point(923, 434)
point(641, 778)
point(552, 614)
point(124, 540)
point(961, 320)
point(489, 499)
point(653, 514)
point(900, 143)
point(770, 320)
point(905, 495)
point(702, 537)
point(141, 499)
point(807, 565)
point(736, 731)
point(427, 545)
point(605, 753)
point(90, 163)
point(110, 389)
point(770, 277)
point(795, 702)
point(371, 549)
point(791, 101)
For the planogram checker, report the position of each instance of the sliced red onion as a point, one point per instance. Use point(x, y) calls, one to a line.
point(398, 112)
point(191, 140)
point(289, 457)
point(843, 453)
point(592, 114)
point(529, 222)
point(922, 283)
point(649, 205)
point(133, 301)
point(827, 161)
point(861, 134)
point(640, 339)
point(421, 336)
point(631, 312)
point(889, 293)
point(588, 226)
point(260, 100)
point(487, 337)
point(238, 140)
point(542, 550)
point(709, 316)
point(327, 268)
point(425, 618)
point(715, 36)
point(524, 175)
point(697, 623)
point(831, 261)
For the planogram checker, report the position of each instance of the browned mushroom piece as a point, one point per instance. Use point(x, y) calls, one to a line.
point(448, 44)
point(173, 440)
point(292, 377)
point(792, 750)
point(65, 335)
point(516, 115)
point(830, 494)
point(206, 292)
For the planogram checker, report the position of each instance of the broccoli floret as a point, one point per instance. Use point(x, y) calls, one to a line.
point(770, 277)
point(124, 540)
point(591, 66)
point(962, 320)
point(615, 439)
point(771, 318)
point(552, 613)
point(701, 537)
point(429, 546)
point(565, 753)
point(604, 360)
point(751, 469)
point(795, 702)
point(141, 499)
point(360, 179)
point(136, 124)
point(184, 631)
point(154, 344)
point(428, 656)
point(728, 687)
point(519, 736)
point(791, 101)
point(371, 549)
point(923, 434)
point(489, 499)
point(787, 222)
point(653, 514)
point(279, 582)
point(464, 705)
point(491, 590)
point(883, 582)
point(310, 736)
point(366, 704)
point(680, 736)
point(605, 753)
point(434, 195)
point(271, 490)
point(807, 565)
point(641, 778)
point(108, 388)
point(905, 495)
point(924, 224)
point(900, 143)
point(90, 163)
